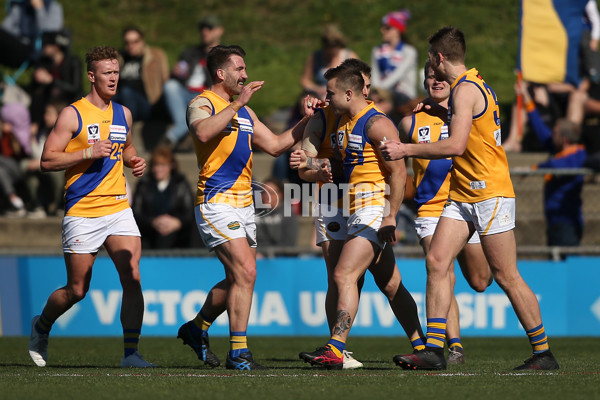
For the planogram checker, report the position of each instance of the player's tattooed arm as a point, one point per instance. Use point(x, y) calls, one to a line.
point(317, 163)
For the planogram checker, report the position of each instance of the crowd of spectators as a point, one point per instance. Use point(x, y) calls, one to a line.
point(33, 36)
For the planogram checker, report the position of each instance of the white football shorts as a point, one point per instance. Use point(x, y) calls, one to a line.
point(219, 223)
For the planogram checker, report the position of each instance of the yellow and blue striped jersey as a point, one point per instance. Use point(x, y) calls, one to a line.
point(431, 177)
point(225, 162)
point(364, 172)
point(482, 171)
point(96, 188)
point(326, 148)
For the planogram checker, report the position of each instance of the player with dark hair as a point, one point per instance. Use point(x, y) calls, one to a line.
point(319, 161)
point(432, 184)
point(375, 189)
point(225, 131)
point(481, 199)
point(92, 142)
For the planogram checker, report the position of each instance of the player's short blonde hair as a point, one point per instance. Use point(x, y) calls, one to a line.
point(100, 53)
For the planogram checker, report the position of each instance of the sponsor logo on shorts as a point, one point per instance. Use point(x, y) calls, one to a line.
point(333, 226)
point(233, 225)
point(76, 242)
point(504, 219)
point(448, 202)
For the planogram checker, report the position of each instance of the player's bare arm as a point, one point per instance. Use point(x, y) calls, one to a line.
point(206, 126)
point(404, 129)
point(467, 101)
point(130, 155)
point(55, 158)
point(380, 128)
point(275, 145)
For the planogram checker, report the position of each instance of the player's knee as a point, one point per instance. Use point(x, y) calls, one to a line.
point(506, 280)
point(436, 266)
point(76, 294)
point(479, 285)
point(246, 273)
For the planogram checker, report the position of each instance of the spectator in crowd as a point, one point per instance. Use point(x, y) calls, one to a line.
point(14, 147)
point(273, 227)
point(190, 77)
point(44, 188)
point(144, 71)
point(384, 100)
point(590, 60)
point(562, 193)
point(590, 129)
point(281, 166)
point(56, 76)
point(394, 62)
point(25, 21)
point(521, 136)
point(331, 54)
point(163, 204)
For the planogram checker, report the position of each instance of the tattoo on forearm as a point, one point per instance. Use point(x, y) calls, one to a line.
point(309, 163)
point(314, 163)
point(343, 323)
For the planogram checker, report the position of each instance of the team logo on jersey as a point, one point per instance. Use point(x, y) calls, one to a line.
point(425, 134)
point(498, 137)
point(340, 139)
point(332, 140)
point(93, 133)
point(333, 226)
point(234, 225)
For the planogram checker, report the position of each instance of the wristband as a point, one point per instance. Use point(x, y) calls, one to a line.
point(87, 153)
point(235, 105)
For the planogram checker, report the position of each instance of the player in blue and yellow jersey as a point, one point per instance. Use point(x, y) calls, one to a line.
point(432, 184)
point(92, 142)
point(481, 199)
point(373, 191)
point(225, 131)
point(318, 148)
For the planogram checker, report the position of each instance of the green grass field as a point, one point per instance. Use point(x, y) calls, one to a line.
point(87, 368)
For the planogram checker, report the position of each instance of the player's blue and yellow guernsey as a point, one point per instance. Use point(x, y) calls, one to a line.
point(326, 150)
point(432, 177)
point(482, 172)
point(363, 171)
point(96, 188)
point(225, 162)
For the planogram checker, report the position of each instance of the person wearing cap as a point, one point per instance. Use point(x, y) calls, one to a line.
point(144, 71)
point(190, 77)
point(394, 62)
